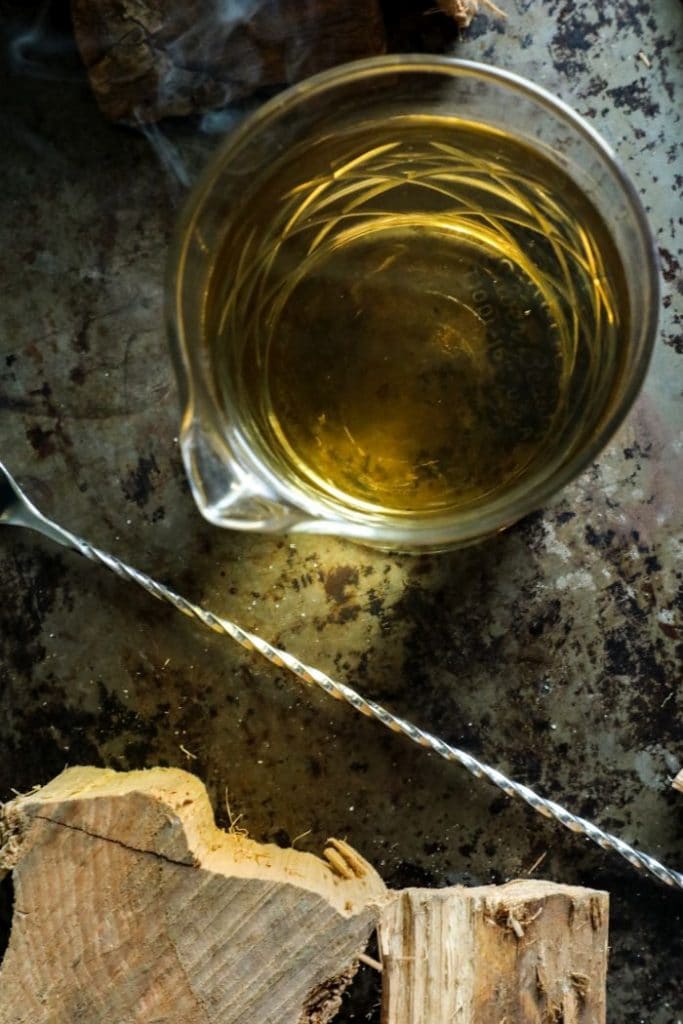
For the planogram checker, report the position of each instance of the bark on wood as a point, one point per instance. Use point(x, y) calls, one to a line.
point(130, 905)
point(523, 953)
point(148, 59)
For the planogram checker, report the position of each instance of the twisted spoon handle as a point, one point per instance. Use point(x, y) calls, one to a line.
point(17, 510)
point(313, 676)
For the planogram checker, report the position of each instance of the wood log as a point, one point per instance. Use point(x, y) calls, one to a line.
point(678, 782)
point(130, 905)
point(522, 953)
point(148, 59)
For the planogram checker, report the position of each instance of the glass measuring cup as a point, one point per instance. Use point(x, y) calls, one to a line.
point(408, 301)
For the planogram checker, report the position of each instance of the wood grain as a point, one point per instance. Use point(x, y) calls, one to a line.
point(130, 905)
point(522, 953)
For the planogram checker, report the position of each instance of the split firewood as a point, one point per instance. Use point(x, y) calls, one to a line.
point(524, 952)
point(678, 782)
point(463, 11)
point(148, 59)
point(130, 905)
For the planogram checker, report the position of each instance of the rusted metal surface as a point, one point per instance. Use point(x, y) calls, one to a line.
point(553, 651)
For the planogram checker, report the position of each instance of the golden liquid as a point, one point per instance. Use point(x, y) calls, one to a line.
point(415, 316)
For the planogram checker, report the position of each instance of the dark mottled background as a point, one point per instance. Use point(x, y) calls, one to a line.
point(553, 652)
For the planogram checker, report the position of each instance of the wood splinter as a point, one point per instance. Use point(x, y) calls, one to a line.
point(463, 11)
point(130, 905)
